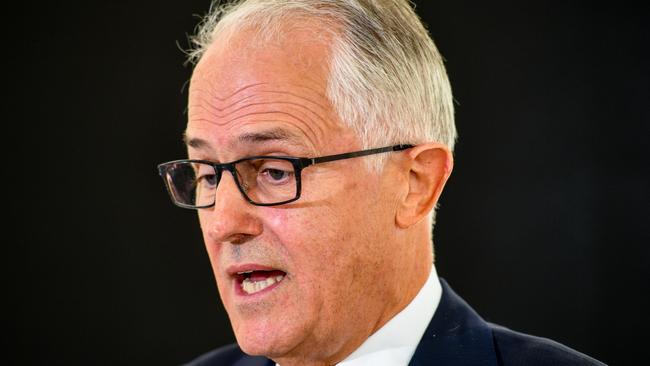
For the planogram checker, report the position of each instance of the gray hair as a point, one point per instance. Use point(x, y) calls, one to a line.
point(387, 80)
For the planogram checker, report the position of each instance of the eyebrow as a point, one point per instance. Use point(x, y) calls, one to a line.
point(268, 135)
point(258, 137)
point(194, 142)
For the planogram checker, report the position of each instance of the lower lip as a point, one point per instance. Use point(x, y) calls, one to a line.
point(240, 291)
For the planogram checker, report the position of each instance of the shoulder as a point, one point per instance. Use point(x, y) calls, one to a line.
point(458, 336)
point(514, 348)
point(230, 355)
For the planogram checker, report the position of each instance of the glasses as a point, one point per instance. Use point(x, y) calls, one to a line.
point(262, 180)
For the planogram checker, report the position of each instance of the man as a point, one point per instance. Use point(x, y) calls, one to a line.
point(320, 137)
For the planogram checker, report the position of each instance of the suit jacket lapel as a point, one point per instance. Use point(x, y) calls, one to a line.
point(254, 361)
point(456, 336)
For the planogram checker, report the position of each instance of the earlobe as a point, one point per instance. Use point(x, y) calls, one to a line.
point(429, 167)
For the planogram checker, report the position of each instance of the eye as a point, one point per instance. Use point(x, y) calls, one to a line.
point(205, 177)
point(276, 175)
point(274, 172)
point(209, 180)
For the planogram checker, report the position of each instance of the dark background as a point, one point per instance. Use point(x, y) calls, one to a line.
point(544, 226)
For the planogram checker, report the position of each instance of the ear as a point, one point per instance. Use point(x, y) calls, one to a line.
point(429, 166)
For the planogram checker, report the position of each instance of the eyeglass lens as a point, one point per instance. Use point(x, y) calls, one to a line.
point(263, 180)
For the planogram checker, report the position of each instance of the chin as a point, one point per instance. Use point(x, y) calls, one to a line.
point(256, 349)
point(261, 340)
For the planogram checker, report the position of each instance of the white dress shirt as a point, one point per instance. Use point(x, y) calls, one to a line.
point(394, 344)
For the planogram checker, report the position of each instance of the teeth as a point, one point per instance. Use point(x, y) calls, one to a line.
point(251, 287)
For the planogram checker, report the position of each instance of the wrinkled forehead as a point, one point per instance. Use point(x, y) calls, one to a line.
point(241, 88)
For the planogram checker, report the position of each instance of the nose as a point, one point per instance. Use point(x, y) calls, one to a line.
point(232, 219)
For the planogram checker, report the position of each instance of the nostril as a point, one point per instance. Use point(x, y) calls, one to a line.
point(238, 239)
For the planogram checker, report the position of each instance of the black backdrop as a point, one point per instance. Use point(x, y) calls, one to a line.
point(543, 227)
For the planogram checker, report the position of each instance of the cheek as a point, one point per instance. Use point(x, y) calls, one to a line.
point(278, 219)
point(202, 216)
point(214, 250)
point(306, 230)
point(203, 224)
point(321, 248)
point(315, 239)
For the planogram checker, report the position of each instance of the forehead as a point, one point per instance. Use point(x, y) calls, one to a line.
point(241, 88)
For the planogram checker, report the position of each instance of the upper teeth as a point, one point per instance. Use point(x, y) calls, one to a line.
point(251, 287)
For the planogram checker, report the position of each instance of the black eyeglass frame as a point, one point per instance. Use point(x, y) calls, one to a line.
point(298, 165)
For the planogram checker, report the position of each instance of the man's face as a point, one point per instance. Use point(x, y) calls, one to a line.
point(327, 259)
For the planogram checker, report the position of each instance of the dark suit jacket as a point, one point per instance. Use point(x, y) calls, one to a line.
point(456, 336)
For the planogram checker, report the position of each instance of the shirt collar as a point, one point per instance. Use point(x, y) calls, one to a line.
point(395, 342)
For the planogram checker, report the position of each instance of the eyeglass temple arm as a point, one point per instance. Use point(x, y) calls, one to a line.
point(325, 159)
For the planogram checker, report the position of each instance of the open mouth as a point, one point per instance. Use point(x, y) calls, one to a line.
point(254, 281)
